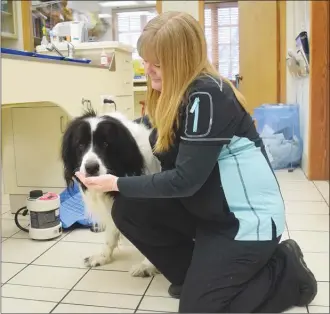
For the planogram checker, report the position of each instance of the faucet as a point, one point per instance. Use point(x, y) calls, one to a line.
point(70, 49)
point(52, 47)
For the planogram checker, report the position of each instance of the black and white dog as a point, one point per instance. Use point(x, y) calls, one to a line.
point(97, 145)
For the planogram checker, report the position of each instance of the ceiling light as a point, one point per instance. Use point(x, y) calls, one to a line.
point(150, 2)
point(117, 3)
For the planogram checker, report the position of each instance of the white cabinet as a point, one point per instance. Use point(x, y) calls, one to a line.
point(37, 134)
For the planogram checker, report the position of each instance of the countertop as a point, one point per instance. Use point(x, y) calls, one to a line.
point(62, 46)
point(42, 60)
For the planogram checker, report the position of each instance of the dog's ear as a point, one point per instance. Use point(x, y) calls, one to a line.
point(68, 155)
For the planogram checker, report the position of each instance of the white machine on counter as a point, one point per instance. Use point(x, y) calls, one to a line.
point(77, 30)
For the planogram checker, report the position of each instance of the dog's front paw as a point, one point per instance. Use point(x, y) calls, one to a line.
point(97, 260)
point(144, 270)
point(97, 227)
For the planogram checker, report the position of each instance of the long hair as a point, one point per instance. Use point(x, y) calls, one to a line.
point(176, 42)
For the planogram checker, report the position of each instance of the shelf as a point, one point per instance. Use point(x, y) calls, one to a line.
point(8, 35)
point(6, 13)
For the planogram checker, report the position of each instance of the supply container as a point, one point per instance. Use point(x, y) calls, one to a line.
point(279, 128)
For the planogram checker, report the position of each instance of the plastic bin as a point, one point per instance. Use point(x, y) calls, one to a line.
point(279, 128)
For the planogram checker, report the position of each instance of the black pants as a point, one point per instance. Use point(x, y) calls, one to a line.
point(219, 275)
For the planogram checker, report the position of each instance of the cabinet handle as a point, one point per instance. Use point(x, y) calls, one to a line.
point(62, 124)
point(127, 61)
point(127, 83)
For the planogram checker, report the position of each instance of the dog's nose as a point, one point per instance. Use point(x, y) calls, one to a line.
point(92, 168)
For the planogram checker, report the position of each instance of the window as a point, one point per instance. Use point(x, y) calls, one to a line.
point(222, 36)
point(128, 25)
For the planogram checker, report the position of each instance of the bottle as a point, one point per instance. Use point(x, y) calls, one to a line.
point(104, 58)
point(44, 40)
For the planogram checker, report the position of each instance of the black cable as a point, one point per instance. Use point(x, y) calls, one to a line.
point(16, 218)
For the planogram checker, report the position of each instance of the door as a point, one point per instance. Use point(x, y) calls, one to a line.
point(38, 133)
point(258, 52)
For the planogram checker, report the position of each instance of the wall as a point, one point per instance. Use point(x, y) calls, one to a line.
point(190, 7)
point(298, 19)
point(15, 43)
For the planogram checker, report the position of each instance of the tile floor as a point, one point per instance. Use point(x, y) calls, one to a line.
point(49, 277)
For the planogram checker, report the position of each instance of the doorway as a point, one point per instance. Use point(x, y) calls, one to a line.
point(319, 91)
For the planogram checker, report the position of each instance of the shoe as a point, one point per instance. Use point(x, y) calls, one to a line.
point(308, 283)
point(175, 291)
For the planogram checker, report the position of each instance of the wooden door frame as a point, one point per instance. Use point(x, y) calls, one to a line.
point(318, 152)
point(27, 25)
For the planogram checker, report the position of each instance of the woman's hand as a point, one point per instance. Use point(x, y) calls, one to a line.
point(102, 183)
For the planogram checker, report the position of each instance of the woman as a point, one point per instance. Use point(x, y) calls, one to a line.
point(212, 219)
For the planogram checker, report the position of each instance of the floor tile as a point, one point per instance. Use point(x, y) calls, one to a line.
point(284, 175)
point(158, 287)
point(297, 309)
point(145, 311)
point(9, 228)
point(323, 187)
point(85, 235)
point(23, 250)
point(159, 304)
point(5, 209)
point(102, 299)
point(307, 222)
point(300, 207)
point(297, 185)
point(9, 270)
point(11, 305)
point(72, 308)
point(322, 297)
point(318, 309)
point(9, 215)
point(51, 277)
point(311, 241)
point(310, 194)
point(33, 293)
point(113, 282)
point(69, 254)
point(319, 265)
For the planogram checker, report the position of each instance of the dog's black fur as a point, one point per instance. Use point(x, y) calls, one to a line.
point(112, 142)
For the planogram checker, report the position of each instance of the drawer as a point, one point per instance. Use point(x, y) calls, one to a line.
point(124, 62)
point(123, 84)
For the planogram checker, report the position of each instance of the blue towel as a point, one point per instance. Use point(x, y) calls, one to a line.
point(72, 208)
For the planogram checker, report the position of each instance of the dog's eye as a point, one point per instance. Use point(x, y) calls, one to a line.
point(105, 144)
point(81, 146)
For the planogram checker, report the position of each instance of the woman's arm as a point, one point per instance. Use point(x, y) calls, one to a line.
point(193, 166)
point(209, 123)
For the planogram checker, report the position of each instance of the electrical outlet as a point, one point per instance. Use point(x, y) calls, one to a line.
point(107, 102)
point(106, 97)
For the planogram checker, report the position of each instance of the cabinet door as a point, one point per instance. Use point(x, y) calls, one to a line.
point(37, 140)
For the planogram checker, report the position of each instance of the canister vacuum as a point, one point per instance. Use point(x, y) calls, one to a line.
point(44, 211)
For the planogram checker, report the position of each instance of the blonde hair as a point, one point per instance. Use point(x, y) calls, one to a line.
point(176, 42)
